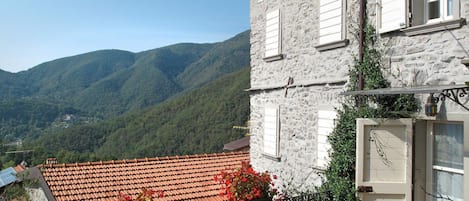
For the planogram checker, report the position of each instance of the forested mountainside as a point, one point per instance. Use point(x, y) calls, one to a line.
point(107, 83)
point(199, 121)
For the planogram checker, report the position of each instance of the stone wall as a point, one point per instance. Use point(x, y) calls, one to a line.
point(299, 25)
point(318, 77)
point(297, 166)
point(427, 59)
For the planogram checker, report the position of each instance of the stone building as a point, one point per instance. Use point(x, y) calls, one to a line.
point(301, 51)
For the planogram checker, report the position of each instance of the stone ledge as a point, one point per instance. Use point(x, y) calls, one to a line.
point(274, 158)
point(429, 28)
point(273, 58)
point(333, 45)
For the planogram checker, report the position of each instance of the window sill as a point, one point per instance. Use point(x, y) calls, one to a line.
point(273, 58)
point(429, 28)
point(333, 45)
point(274, 158)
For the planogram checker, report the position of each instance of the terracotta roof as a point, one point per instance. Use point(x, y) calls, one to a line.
point(180, 177)
point(237, 144)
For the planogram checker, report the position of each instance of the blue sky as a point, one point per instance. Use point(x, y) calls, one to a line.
point(36, 31)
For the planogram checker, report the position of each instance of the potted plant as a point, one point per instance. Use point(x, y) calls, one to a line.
point(244, 184)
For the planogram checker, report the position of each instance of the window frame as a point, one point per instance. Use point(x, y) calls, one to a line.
point(343, 41)
point(430, 167)
point(268, 57)
point(417, 22)
point(276, 153)
point(329, 118)
point(443, 4)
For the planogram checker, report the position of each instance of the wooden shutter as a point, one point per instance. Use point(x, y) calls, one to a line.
point(271, 131)
point(330, 21)
point(392, 15)
point(272, 34)
point(384, 159)
point(325, 127)
point(418, 16)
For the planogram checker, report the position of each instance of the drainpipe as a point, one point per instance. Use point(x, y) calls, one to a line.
point(361, 43)
point(361, 37)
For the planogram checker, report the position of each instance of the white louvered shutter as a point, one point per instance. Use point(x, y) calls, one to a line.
point(392, 15)
point(330, 21)
point(272, 34)
point(325, 128)
point(271, 131)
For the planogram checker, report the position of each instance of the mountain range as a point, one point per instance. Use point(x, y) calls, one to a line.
point(116, 87)
point(108, 83)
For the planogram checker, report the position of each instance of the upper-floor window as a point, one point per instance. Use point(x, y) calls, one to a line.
point(399, 14)
point(330, 21)
point(273, 36)
point(331, 24)
point(439, 10)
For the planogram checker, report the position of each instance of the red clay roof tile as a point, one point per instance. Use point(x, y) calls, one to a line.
point(181, 177)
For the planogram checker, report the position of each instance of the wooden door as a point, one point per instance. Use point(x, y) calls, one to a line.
point(384, 159)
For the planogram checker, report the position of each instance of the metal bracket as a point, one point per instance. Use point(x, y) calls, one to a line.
point(365, 189)
point(455, 94)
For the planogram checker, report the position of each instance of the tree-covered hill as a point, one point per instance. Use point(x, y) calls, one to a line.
point(107, 83)
point(199, 121)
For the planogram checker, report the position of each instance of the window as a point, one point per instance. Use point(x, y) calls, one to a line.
point(330, 21)
point(271, 131)
point(331, 24)
point(445, 159)
point(391, 15)
point(325, 126)
point(418, 16)
point(438, 10)
point(272, 36)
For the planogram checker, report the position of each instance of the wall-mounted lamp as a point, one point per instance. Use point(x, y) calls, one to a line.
point(431, 108)
point(465, 61)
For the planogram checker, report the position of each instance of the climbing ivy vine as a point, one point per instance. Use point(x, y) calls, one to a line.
point(339, 183)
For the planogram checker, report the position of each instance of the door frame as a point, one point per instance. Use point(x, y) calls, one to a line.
point(404, 188)
point(448, 117)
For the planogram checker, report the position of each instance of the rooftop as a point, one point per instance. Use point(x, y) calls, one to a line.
point(237, 144)
point(180, 177)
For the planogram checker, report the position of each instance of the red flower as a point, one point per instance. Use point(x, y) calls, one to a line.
point(245, 184)
point(146, 195)
point(160, 194)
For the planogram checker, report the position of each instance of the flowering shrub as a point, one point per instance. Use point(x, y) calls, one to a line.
point(244, 184)
point(145, 195)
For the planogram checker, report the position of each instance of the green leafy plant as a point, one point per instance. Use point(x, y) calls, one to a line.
point(339, 177)
point(244, 184)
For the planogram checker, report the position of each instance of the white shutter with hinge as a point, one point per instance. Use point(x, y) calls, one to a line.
point(271, 131)
point(325, 128)
point(384, 159)
point(272, 34)
point(330, 21)
point(392, 15)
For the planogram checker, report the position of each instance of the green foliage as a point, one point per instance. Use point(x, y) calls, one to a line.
point(339, 181)
point(22, 118)
point(17, 190)
point(108, 83)
point(221, 59)
point(199, 121)
point(14, 192)
point(102, 85)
